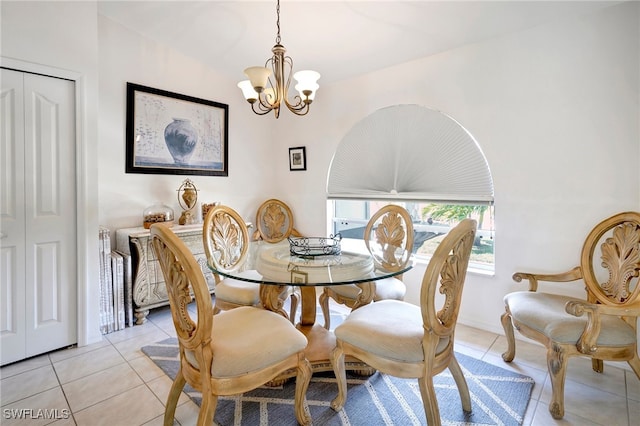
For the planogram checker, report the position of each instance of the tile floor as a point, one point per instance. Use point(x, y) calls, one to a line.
point(113, 383)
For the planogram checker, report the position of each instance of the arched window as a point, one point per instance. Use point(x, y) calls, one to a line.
point(422, 159)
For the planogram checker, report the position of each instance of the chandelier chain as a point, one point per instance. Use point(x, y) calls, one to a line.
point(278, 21)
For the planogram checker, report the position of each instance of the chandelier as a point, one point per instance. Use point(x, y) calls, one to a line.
point(266, 94)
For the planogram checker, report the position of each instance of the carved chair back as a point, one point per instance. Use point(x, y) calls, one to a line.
point(185, 282)
point(274, 222)
point(389, 237)
point(446, 273)
point(612, 278)
point(225, 238)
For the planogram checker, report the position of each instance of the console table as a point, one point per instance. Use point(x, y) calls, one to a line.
point(149, 290)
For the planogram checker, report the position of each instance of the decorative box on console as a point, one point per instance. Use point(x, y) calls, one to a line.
point(149, 290)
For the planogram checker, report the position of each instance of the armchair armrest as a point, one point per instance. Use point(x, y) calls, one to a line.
point(587, 342)
point(572, 275)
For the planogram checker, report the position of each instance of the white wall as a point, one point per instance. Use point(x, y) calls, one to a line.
point(66, 47)
point(127, 57)
point(556, 112)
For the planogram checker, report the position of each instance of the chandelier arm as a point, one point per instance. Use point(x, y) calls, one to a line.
point(297, 103)
point(264, 103)
point(288, 61)
point(298, 109)
point(260, 111)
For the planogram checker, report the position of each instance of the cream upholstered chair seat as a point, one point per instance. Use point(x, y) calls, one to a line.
point(240, 292)
point(389, 329)
point(603, 325)
point(389, 238)
point(229, 353)
point(389, 289)
point(545, 313)
point(404, 340)
point(242, 336)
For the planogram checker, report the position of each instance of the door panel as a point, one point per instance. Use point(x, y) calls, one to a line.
point(50, 214)
point(12, 224)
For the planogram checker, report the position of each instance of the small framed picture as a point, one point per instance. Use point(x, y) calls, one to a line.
point(297, 158)
point(298, 277)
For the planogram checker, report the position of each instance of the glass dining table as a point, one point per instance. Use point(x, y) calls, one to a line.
point(281, 267)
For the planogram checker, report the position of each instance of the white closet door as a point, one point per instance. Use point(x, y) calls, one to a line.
point(12, 214)
point(45, 194)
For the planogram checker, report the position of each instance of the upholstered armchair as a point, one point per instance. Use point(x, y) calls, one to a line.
point(409, 341)
point(389, 238)
point(602, 325)
point(224, 354)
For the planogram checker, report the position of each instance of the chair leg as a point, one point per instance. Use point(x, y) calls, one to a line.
point(172, 399)
point(207, 409)
point(294, 307)
point(324, 304)
point(337, 361)
point(511, 339)
point(557, 365)
point(429, 400)
point(597, 365)
point(461, 382)
point(302, 384)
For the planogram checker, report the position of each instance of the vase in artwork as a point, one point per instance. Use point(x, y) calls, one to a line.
point(181, 139)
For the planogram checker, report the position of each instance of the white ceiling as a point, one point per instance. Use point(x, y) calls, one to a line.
point(339, 39)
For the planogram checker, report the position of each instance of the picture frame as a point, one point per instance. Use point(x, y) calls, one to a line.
point(170, 133)
point(299, 277)
point(297, 158)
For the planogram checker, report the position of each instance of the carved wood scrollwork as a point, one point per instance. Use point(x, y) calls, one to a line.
point(227, 240)
point(391, 229)
point(178, 288)
point(272, 298)
point(390, 235)
point(274, 220)
point(621, 256)
point(452, 280)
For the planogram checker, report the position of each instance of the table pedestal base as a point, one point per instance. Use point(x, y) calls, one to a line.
point(318, 352)
point(321, 341)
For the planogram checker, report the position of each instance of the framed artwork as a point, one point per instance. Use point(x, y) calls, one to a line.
point(298, 277)
point(170, 133)
point(297, 158)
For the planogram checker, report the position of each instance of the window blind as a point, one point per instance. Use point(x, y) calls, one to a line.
point(410, 152)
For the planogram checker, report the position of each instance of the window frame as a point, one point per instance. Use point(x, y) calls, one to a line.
point(475, 266)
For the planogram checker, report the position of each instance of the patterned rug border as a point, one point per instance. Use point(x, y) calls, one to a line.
point(498, 396)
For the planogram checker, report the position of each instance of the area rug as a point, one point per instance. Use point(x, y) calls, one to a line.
point(498, 396)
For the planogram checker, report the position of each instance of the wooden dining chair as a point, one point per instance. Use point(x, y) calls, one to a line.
point(603, 325)
point(409, 341)
point(274, 222)
point(226, 354)
point(388, 237)
point(226, 245)
point(274, 225)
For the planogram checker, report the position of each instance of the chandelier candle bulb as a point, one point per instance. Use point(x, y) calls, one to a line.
point(307, 85)
point(247, 90)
